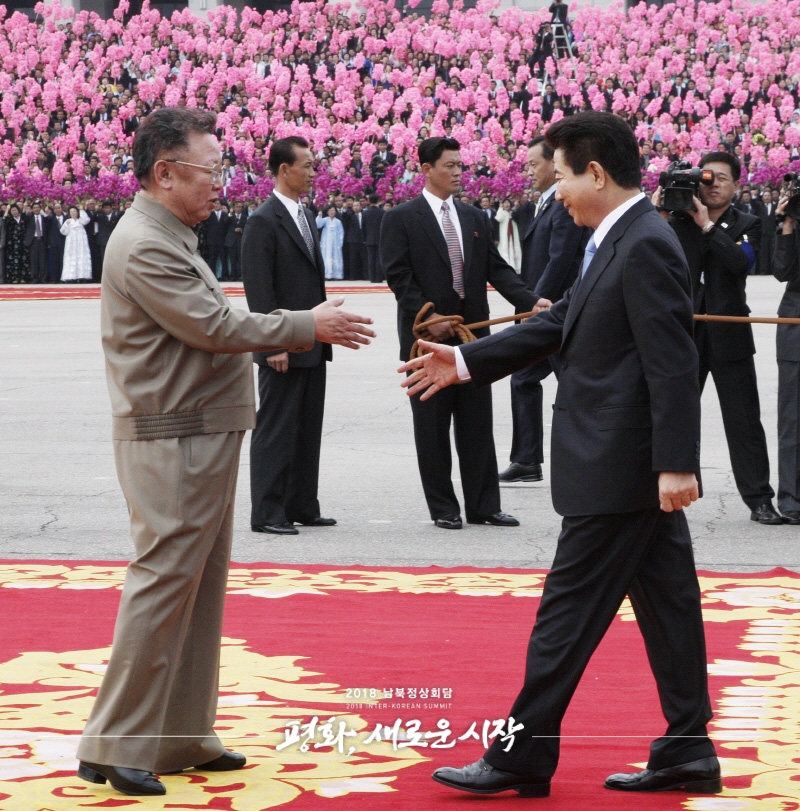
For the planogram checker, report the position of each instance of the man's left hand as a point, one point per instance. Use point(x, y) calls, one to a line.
point(677, 490)
point(431, 372)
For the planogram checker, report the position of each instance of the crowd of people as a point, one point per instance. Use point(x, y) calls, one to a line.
point(365, 87)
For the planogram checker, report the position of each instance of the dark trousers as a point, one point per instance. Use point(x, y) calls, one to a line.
point(217, 255)
point(355, 261)
point(737, 389)
point(55, 263)
point(788, 435)
point(285, 445)
point(374, 267)
point(470, 410)
point(38, 259)
point(234, 261)
point(527, 440)
point(646, 555)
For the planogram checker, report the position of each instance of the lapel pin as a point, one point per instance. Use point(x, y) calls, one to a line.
point(475, 233)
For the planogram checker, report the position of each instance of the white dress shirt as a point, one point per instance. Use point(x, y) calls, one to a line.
point(436, 204)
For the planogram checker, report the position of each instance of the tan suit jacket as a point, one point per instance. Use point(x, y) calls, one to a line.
point(179, 373)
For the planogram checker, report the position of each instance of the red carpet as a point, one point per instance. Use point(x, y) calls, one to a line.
point(35, 292)
point(313, 640)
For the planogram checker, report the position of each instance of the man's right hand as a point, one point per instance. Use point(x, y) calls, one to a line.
point(336, 326)
point(441, 331)
point(279, 362)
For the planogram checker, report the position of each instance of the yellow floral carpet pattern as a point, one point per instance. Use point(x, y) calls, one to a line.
point(45, 696)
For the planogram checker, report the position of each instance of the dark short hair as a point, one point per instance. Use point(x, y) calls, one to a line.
point(430, 150)
point(600, 137)
point(282, 151)
point(547, 151)
point(724, 157)
point(164, 131)
point(373, 198)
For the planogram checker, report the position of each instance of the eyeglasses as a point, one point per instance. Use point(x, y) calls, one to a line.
point(214, 171)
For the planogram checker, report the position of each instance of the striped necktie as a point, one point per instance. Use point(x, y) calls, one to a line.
point(302, 223)
point(454, 250)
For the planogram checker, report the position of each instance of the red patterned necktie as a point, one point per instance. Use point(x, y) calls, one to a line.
point(454, 250)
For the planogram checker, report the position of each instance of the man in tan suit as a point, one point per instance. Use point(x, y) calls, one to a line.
point(178, 369)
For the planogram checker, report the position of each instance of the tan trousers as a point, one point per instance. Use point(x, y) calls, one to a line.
point(157, 704)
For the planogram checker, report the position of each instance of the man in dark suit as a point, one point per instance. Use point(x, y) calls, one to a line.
point(768, 228)
point(435, 249)
point(787, 269)
point(721, 246)
point(371, 219)
point(106, 222)
point(216, 230)
point(56, 242)
point(36, 239)
point(233, 242)
point(355, 251)
point(282, 268)
point(552, 249)
point(626, 438)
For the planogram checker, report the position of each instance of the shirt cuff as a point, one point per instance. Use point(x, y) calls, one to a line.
point(461, 366)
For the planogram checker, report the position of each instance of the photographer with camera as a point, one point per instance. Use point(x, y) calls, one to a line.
point(786, 268)
point(721, 246)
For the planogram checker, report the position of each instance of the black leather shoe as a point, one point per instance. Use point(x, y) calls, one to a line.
point(284, 528)
point(129, 781)
point(481, 778)
point(497, 520)
point(521, 473)
point(791, 517)
point(227, 762)
point(449, 522)
point(319, 522)
point(697, 777)
point(766, 514)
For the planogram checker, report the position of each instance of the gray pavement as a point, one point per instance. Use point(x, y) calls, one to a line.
point(59, 497)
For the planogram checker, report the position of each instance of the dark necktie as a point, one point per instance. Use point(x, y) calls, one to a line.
point(453, 250)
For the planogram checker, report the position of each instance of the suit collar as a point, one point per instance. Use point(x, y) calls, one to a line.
point(605, 253)
point(165, 218)
point(289, 223)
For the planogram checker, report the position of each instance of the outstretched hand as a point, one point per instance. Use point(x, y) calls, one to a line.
point(432, 372)
point(336, 326)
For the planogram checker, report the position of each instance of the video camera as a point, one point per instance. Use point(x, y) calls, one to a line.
point(791, 186)
point(680, 183)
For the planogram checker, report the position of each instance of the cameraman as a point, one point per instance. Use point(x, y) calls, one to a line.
point(786, 268)
point(721, 246)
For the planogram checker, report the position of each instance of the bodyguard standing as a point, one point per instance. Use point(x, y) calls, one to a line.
point(436, 249)
point(282, 267)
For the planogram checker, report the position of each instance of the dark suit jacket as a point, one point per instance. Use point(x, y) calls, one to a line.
point(55, 238)
point(30, 229)
point(353, 232)
point(552, 250)
point(628, 401)
point(371, 224)
point(105, 226)
point(216, 229)
point(718, 263)
point(786, 268)
point(279, 273)
point(417, 266)
point(232, 238)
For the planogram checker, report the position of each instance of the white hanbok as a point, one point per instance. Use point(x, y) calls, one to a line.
point(77, 258)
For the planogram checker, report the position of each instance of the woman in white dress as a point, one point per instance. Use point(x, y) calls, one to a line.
point(510, 247)
point(331, 240)
point(77, 259)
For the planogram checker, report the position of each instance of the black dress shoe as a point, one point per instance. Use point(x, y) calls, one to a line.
point(449, 522)
point(497, 520)
point(227, 762)
point(319, 521)
point(766, 514)
point(481, 778)
point(521, 473)
point(129, 781)
point(283, 528)
point(697, 777)
point(791, 517)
